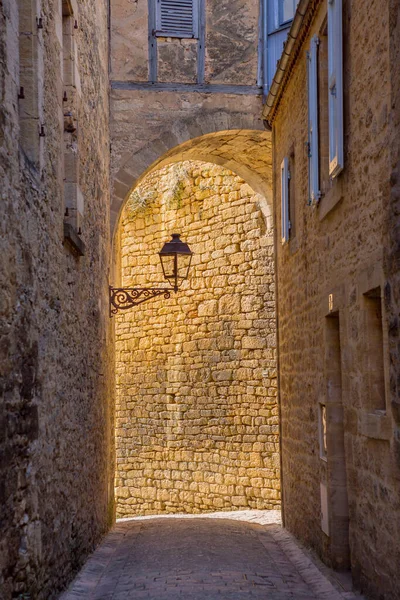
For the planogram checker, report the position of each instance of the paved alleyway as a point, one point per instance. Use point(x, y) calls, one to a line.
point(202, 559)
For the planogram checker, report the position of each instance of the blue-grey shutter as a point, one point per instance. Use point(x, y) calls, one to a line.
point(335, 73)
point(276, 41)
point(178, 18)
point(313, 141)
point(285, 200)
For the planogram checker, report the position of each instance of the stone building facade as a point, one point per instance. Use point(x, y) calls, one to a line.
point(177, 98)
point(391, 263)
point(196, 413)
point(174, 98)
point(56, 460)
point(169, 90)
point(337, 286)
point(95, 99)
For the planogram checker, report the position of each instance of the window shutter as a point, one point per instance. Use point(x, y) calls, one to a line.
point(313, 141)
point(285, 199)
point(177, 18)
point(335, 72)
point(287, 9)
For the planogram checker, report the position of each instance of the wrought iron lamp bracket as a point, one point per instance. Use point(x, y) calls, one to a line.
point(124, 298)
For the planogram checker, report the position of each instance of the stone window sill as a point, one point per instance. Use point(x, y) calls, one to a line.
point(294, 245)
point(330, 200)
point(73, 241)
point(375, 425)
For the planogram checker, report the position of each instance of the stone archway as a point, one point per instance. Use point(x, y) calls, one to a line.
point(196, 377)
point(241, 147)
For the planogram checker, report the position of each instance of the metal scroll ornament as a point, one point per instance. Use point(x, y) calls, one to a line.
point(124, 298)
point(175, 257)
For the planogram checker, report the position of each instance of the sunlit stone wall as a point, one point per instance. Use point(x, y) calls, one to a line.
point(197, 416)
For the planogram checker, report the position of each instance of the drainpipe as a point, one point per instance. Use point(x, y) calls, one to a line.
point(260, 46)
point(265, 46)
point(278, 370)
point(284, 60)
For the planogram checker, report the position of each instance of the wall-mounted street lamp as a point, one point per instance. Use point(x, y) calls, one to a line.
point(176, 258)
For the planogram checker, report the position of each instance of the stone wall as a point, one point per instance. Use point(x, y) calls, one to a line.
point(230, 48)
point(197, 420)
point(149, 127)
point(152, 116)
point(56, 380)
point(392, 232)
point(333, 342)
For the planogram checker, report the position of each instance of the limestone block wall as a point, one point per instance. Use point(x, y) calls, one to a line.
point(391, 262)
point(229, 49)
point(56, 390)
point(197, 417)
point(333, 279)
point(168, 91)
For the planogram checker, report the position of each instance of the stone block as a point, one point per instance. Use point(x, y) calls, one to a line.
point(252, 343)
point(208, 308)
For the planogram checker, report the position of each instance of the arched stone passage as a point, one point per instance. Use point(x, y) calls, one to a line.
point(246, 151)
point(196, 410)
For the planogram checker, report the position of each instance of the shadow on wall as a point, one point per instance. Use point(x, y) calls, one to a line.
point(247, 152)
point(197, 416)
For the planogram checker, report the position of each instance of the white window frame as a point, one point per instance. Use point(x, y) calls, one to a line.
point(175, 32)
point(335, 79)
point(322, 431)
point(313, 133)
point(285, 177)
point(280, 13)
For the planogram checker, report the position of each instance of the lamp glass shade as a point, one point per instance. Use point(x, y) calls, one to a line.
point(176, 258)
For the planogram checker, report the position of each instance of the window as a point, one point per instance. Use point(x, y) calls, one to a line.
point(322, 425)
point(313, 142)
point(285, 200)
point(177, 18)
point(325, 183)
point(73, 197)
point(30, 98)
point(335, 74)
point(375, 350)
point(292, 194)
point(287, 8)
point(324, 508)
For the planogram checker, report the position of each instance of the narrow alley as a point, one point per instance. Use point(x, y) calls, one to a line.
point(229, 556)
point(199, 299)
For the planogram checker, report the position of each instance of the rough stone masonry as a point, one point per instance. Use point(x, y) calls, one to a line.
point(56, 387)
point(197, 416)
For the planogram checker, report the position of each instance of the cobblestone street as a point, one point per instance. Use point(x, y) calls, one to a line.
point(244, 555)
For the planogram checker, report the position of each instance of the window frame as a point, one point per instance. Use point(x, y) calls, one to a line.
point(30, 70)
point(375, 358)
point(313, 116)
point(285, 177)
point(323, 431)
point(335, 87)
point(282, 21)
point(175, 33)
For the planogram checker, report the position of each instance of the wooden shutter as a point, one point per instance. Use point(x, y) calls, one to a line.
point(313, 134)
point(287, 9)
point(335, 73)
point(177, 18)
point(285, 199)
